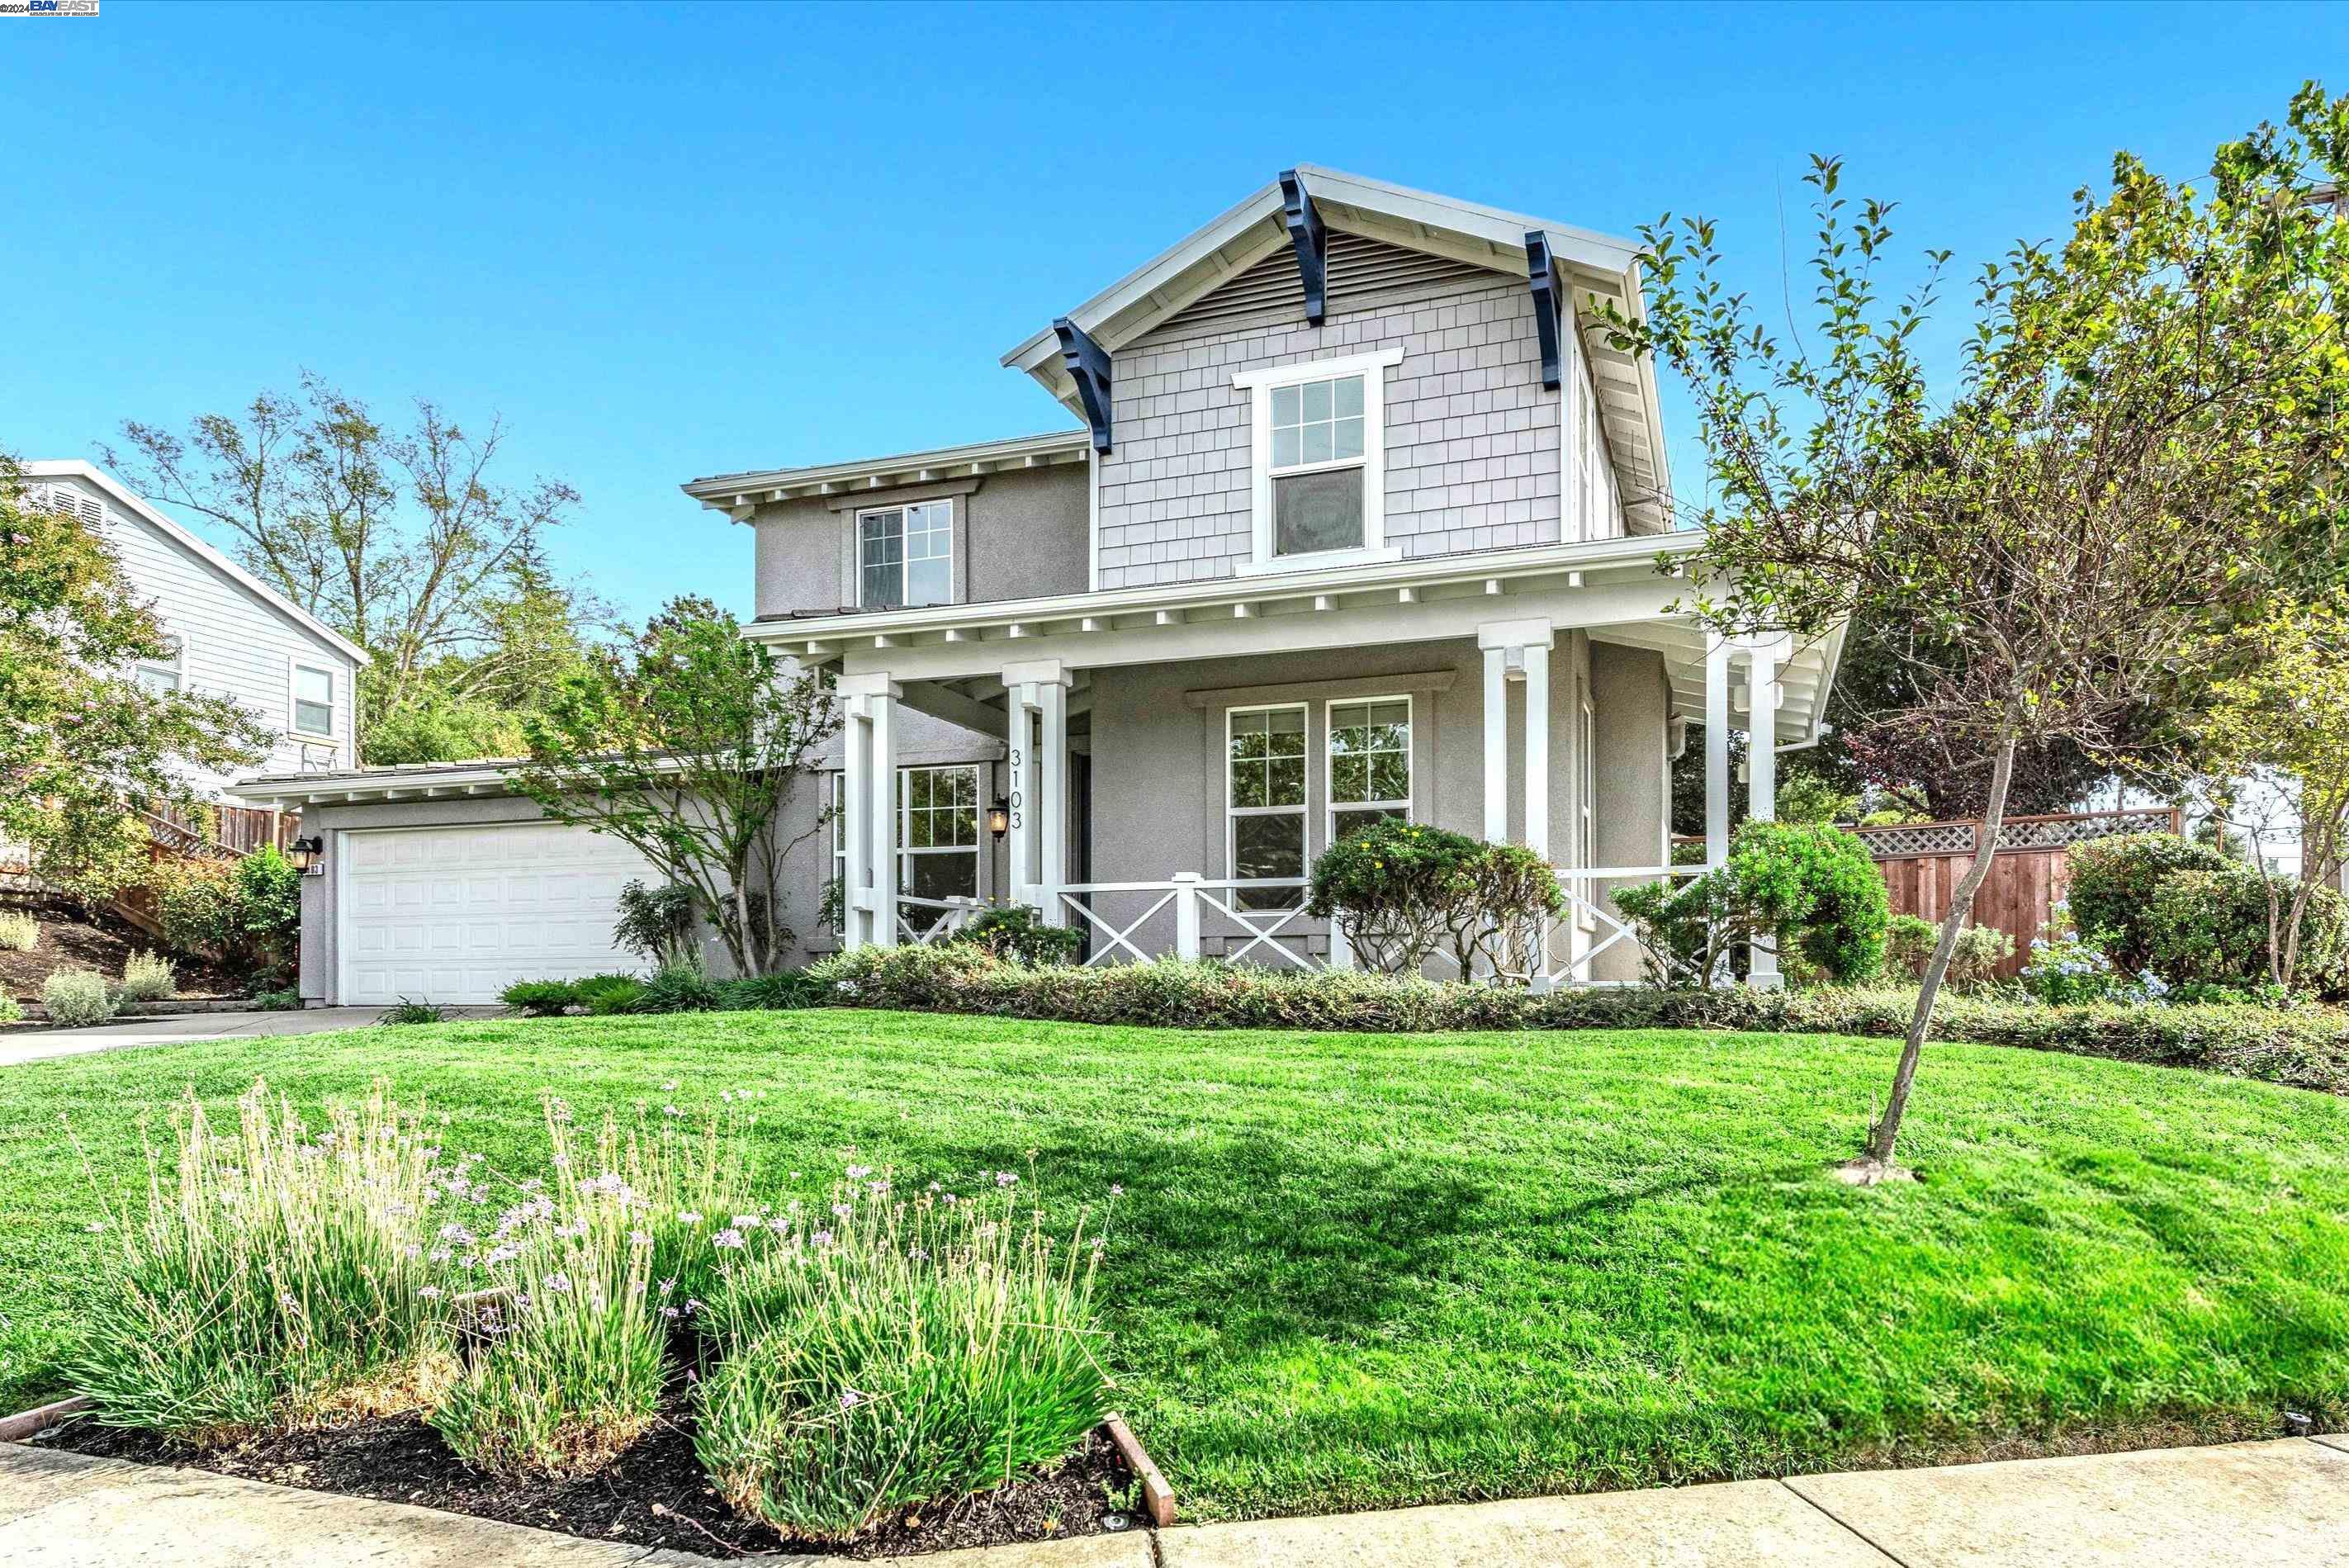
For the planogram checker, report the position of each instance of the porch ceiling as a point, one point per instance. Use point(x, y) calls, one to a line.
point(1804, 680)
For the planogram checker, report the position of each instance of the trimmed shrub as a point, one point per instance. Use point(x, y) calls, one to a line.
point(1810, 888)
point(2308, 1048)
point(1909, 945)
point(1018, 931)
point(76, 998)
point(19, 932)
point(1402, 892)
point(2154, 902)
point(892, 1354)
point(149, 977)
point(1910, 940)
point(274, 1278)
point(247, 916)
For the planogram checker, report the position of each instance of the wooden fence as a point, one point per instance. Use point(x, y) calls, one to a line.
point(1922, 863)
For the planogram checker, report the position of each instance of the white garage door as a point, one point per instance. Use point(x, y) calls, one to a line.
point(458, 914)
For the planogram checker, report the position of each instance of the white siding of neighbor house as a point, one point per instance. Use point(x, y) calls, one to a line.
point(235, 642)
point(1473, 455)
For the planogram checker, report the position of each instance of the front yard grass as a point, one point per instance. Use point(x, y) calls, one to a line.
point(1356, 1271)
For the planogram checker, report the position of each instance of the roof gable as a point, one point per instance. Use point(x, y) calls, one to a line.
point(133, 507)
point(1241, 249)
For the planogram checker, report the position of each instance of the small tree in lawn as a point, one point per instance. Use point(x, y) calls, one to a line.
point(2136, 443)
point(2286, 716)
point(682, 742)
point(79, 738)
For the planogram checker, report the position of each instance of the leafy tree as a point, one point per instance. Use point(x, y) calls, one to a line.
point(2133, 456)
point(407, 540)
point(79, 738)
point(2286, 714)
point(682, 741)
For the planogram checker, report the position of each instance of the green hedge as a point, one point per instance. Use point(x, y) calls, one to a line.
point(2305, 1048)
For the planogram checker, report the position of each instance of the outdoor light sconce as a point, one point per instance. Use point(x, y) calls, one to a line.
point(307, 856)
point(998, 818)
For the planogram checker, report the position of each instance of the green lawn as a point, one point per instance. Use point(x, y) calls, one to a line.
point(1353, 1271)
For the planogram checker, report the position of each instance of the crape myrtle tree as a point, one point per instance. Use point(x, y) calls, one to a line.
point(79, 736)
point(2128, 459)
point(683, 740)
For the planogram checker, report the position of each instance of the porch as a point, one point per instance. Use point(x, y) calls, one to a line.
point(1171, 774)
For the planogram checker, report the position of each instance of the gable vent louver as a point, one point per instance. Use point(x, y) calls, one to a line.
point(1359, 269)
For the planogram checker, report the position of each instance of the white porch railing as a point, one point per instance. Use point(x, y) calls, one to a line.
point(952, 915)
point(1198, 905)
point(1590, 913)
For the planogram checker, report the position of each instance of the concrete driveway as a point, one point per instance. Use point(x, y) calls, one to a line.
point(40, 1045)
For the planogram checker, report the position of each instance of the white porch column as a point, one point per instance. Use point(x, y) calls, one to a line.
point(869, 801)
point(856, 826)
point(1019, 764)
point(1762, 771)
point(1716, 751)
point(1536, 669)
point(1039, 782)
point(1496, 744)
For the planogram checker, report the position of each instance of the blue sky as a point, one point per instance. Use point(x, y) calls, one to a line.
point(663, 241)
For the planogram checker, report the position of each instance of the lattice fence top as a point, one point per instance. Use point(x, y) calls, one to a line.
point(2018, 832)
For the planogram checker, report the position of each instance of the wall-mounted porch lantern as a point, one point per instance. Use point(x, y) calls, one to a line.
point(307, 856)
point(998, 818)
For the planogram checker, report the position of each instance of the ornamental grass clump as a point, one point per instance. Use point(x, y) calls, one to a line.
point(150, 977)
point(570, 1330)
point(19, 932)
point(884, 1354)
point(273, 1278)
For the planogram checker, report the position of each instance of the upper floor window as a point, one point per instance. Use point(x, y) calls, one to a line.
point(905, 556)
point(1320, 456)
point(169, 673)
point(313, 701)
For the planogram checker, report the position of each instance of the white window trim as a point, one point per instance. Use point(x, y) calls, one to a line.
point(856, 548)
point(294, 669)
point(1259, 385)
point(976, 848)
point(1302, 811)
point(177, 664)
point(1330, 802)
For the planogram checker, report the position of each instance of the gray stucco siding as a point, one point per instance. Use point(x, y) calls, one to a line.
point(1020, 533)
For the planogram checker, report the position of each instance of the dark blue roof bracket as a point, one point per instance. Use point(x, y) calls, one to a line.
point(1088, 367)
point(1550, 306)
point(1312, 243)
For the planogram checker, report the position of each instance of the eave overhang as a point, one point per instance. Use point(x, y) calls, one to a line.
point(740, 495)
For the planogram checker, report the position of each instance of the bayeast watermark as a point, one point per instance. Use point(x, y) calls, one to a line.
point(49, 8)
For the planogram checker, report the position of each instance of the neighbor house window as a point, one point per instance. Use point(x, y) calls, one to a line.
point(905, 556)
point(1370, 764)
point(939, 854)
point(1265, 799)
point(1319, 460)
point(169, 673)
point(313, 701)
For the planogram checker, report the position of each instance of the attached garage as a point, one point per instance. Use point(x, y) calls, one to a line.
point(458, 913)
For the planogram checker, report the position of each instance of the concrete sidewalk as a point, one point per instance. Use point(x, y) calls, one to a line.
point(42, 1044)
point(2227, 1507)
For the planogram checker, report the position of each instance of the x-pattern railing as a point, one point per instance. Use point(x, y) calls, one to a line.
point(954, 914)
point(1585, 902)
point(1187, 896)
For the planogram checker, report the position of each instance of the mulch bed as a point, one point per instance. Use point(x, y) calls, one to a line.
point(654, 1495)
point(74, 938)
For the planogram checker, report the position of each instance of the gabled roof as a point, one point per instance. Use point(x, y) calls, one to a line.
point(124, 500)
point(1593, 263)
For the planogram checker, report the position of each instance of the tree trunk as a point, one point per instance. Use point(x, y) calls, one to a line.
point(1887, 1128)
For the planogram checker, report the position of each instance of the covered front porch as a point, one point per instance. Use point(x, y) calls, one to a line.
point(1173, 768)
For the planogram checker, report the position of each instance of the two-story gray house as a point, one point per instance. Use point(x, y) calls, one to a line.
point(1363, 519)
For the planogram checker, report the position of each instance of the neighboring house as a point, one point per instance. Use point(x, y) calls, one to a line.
point(229, 633)
point(1364, 521)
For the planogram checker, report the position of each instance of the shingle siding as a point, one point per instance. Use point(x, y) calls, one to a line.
point(1471, 436)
